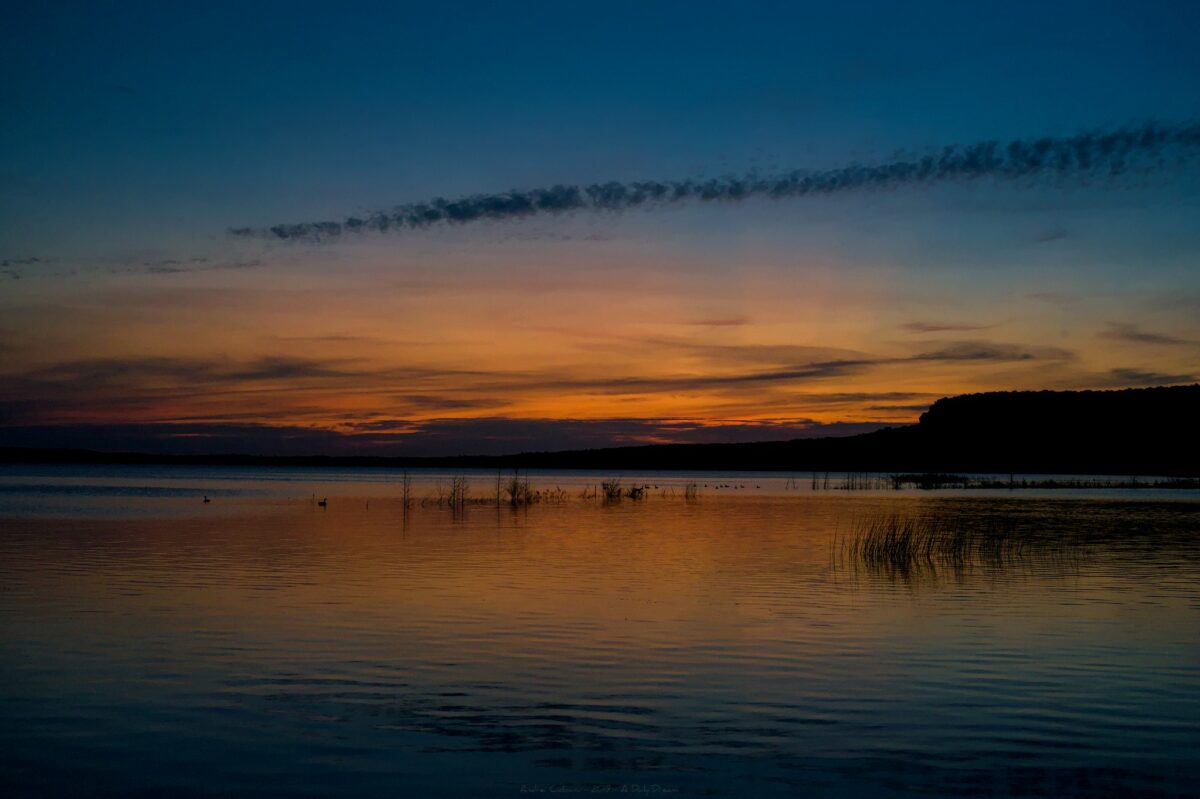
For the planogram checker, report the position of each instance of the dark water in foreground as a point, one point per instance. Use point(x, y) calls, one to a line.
point(259, 645)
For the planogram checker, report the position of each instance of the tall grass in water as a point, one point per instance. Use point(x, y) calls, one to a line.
point(862, 481)
point(613, 491)
point(458, 491)
point(456, 496)
point(935, 481)
point(406, 499)
point(907, 546)
point(519, 492)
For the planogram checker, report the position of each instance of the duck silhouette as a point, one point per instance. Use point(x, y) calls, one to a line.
point(324, 503)
point(206, 499)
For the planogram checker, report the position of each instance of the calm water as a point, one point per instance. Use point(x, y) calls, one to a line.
point(260, 645)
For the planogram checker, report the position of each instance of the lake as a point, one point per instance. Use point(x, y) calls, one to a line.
point(735, 644)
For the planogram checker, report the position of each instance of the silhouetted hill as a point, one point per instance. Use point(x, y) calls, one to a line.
point(1145, 431)
point(1129, 431)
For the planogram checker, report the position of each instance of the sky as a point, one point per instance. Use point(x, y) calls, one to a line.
point(560, 225)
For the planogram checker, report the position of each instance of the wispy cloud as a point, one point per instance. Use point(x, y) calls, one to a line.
point(1118, 331)
point(941, 327)
point(97, 382)
point(330, 338)
point(481, 436)
point(1129, 377)
point(165, 372)
point(730, 387)
point(174, 266)
point(1050, 234)
point(990, 351)
point(31, 261)
point(731, 321)
point(14, 268)
point(1058, 298)
point(1109, 153)
point(916, 407)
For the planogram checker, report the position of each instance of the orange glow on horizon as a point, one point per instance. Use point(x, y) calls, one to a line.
point(769, 346)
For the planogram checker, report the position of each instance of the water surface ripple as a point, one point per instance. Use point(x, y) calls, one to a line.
point(260, 645)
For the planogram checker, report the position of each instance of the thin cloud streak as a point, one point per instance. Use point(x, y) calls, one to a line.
point(163, 389)
point(734, 321)
point(1111, 153)
point(941, 327)
point(1132, 333)
point(1131, 377)
point(160, 370)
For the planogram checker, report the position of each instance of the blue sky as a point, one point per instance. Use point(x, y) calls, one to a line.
point(160, 120)
point(137, 134)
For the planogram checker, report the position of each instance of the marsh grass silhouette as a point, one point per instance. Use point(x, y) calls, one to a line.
point(1006, 539)
point(934, 481)
point(406, 498)
point(909, 548)
point(516, 492)
point(519, 491)
point(456, 496)
point(937, 481)
point(522, 494)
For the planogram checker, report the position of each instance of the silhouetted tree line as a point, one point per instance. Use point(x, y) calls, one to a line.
point(1146, 431)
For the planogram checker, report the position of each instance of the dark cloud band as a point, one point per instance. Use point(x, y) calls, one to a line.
point(1111, 153)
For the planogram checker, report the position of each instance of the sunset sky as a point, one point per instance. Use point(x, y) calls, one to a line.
point(138, 139)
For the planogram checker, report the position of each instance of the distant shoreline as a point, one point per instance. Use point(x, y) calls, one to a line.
point(809, 481)
point(1129, 432)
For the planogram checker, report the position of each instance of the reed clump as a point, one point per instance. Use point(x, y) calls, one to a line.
point(456, 496)
point(862, 481)
point(932, 481)
point(554, 496)
point(905, 544)
point(519, 493)
point(611, 490)
point(406, 499)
